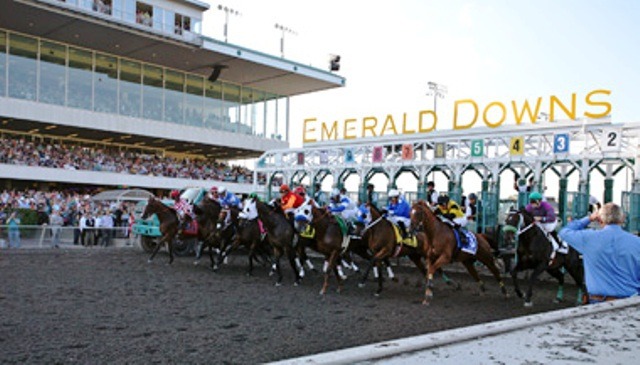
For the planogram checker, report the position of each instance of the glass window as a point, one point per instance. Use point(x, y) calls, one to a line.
point(196, 26)
point(152, 92)
point(213, 105)
point(3, 62)
point(102, 6)
point(194, 100)
point(130, 88)
point(23, 52)
point(272, 118)
point(173, 96)
point(231, 107)
point(79, 81)
point(53, 59)
point(177, 24)
point(247, 112)
point(144, 14)
point(105, 84)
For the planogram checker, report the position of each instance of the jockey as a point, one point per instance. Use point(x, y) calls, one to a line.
point(342, 205)
point(545, 216)
point(228, 199)
point(451, 213)
point(214, 194)
point(300, 190)
point(289, 200)
point(182, 207)
point(398, 211)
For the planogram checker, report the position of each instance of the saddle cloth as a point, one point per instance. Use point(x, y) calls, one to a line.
point(409, 241)
point(309, 232)
point(472, 243)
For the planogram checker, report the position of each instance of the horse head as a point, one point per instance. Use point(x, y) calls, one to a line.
point(149, 209)
point(420, 211)
point(516, 222)
point(249, 210)
point(303, 216)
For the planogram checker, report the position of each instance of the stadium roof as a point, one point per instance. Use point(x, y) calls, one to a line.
point(60, 22)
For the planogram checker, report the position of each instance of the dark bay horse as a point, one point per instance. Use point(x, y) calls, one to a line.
point(280, 236)
point(381, 238)
point(327, 240)
point(168, 224)
point(533, 251)
point(441, 249)
point(207, 212)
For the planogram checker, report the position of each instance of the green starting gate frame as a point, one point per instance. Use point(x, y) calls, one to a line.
point(564, 147)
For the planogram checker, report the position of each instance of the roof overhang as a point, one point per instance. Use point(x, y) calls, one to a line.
point(58, 21)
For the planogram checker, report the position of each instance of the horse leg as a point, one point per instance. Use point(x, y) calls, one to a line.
point(417, 260)
point(378, 257)
point(390, 273)
point(447, 280)
point(334, 261)
point(276, 266)
point(170, 244)
point(431, 269)
point(291, 256)
point(542, 266)
point(487, 258)
point(365, 274)
point(514, 276)
point(155, 251)
point(574, 268)
point(557, 273)
point(469, 264)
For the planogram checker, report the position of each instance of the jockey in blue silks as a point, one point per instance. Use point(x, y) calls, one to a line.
point(342, 205)
point(227, 200)
point(399, 211)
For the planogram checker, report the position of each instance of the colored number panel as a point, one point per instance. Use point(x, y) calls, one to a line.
point(611, 140)
point(477, 148)
point(440, 150)
point(561, 143)
point(516, 146)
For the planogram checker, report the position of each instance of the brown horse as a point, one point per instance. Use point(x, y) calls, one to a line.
point(280, 236)
point(168, 224)
point(328, 238)
point(441, 249)
point(207, 213)
point(381, 238)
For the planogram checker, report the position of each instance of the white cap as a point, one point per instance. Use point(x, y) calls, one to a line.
point(335, 192)
point(222, 189)
point(393, 193)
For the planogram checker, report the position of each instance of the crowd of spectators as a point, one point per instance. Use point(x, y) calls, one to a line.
point(94, 223)
point(64, 155)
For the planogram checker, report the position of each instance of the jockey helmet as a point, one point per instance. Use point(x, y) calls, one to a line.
point(535, 196)
point(253, 196)
point(300, 190)
point(335, 192)
point(174, 194)
point(284, 188)
point(214, 189)
point(393, 193)
point(473, 196)
point(222, 190)
point(443, 200)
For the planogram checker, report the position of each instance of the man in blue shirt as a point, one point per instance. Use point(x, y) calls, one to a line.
point(611, 255)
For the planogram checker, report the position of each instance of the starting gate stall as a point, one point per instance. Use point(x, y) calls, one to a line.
point(631, 206)
point(582, 146)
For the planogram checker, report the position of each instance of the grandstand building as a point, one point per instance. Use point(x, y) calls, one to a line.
point(138, 77)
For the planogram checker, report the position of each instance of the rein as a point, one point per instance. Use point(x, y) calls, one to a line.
point(371, 225)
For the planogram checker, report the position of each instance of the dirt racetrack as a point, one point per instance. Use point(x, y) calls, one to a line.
point(99, 306)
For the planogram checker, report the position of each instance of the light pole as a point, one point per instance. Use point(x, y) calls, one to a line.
point(284, 30)
point(438, 91)
point(227, 11)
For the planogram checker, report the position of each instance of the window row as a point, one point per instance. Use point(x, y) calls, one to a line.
point(59, 74)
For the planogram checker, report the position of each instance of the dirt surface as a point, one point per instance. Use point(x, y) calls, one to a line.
point(110, 306)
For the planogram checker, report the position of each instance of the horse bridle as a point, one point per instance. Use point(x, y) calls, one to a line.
point(518, 230)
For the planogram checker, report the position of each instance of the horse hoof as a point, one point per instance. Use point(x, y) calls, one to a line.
point(426, 302)
point(377, 295)
point(196, 263)
point(528, 304)
point(278, 284)
point(343, 277)
point(149, 261)
point(322, 292)
point(361, 285)
point(558, 300)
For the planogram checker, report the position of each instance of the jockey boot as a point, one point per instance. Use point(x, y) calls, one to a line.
point(403, 230)
point(562, 246)
point(463, 235)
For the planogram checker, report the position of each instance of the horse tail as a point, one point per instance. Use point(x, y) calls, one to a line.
point(493, 242)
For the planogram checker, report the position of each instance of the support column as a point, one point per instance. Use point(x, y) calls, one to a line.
point(608, 190)
point(422, 190)
point(562, 199)
point(362, 192)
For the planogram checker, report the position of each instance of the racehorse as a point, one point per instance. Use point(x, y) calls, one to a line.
point(168, 224)
point(244, 229)
point(381, 238)
point(441, 249)
point(280, 236)
point(328, 238)
point(533, 252)
point(207, 213)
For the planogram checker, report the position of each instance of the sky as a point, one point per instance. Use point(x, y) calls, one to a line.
point(490, 50)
